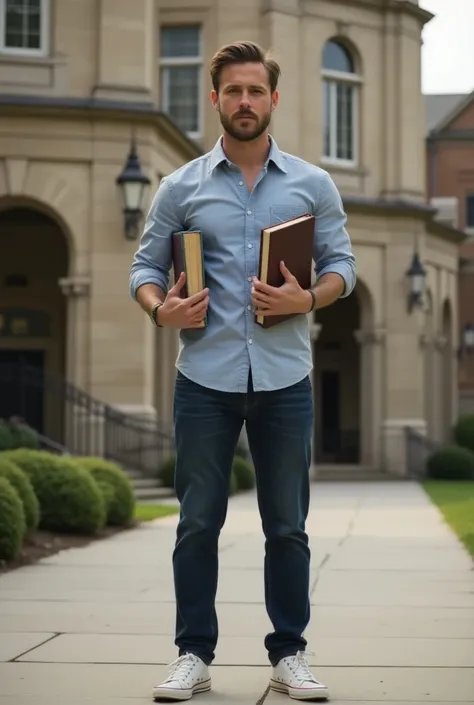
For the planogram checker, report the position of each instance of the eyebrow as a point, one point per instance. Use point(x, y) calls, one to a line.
point(237, 85)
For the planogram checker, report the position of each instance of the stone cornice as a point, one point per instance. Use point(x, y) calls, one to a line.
point(100, 110)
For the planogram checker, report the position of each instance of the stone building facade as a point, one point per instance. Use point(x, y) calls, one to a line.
point(450, 179)
point(78, 79)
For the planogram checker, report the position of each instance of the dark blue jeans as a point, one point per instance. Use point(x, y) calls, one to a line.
point(279, 428)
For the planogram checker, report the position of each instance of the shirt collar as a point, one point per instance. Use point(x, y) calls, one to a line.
point(217, 156)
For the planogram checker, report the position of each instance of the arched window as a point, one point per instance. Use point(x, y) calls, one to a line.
point(340, 104)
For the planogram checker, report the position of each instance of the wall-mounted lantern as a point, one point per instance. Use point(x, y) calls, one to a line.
point(416, 277)
point(134, 186)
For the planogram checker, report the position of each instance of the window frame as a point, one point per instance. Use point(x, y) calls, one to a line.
point(45, 15)
point(172, 62)
point(333, 78)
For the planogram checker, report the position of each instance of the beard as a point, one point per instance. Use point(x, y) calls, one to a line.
point(244, 131)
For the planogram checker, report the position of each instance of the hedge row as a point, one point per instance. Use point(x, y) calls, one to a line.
point(41, 490)
point(242, 476)
point(455, 461)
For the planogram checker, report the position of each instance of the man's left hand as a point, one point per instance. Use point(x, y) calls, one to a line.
point(289, 298)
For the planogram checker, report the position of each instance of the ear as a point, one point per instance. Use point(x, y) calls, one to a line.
point(214, 99)
point(275, 99)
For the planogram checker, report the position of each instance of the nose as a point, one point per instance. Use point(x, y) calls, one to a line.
point(244, 101)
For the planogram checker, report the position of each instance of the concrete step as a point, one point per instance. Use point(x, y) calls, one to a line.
point(157, 493)
point(145, 482)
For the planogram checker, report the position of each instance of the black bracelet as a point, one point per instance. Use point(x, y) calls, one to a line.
point(313, 303)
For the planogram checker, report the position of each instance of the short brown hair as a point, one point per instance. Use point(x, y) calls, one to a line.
point(241, 53)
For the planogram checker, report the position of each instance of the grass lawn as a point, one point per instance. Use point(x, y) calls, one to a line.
point(455, 499)
point(148, 512)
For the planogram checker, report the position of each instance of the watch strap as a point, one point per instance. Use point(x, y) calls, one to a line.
point(154, 314)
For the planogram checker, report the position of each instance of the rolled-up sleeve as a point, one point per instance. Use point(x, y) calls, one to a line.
point(332, 245)
point(153, 260)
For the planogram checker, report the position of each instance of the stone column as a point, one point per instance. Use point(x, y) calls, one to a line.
point(432, 387)
point(77, 290)
point(443, 378)
point(126, 50)
point(371, 389)
point(77, 423)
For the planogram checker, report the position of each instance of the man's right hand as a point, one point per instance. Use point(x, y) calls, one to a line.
point(183, 313)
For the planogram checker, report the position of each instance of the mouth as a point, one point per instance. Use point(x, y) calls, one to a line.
point(245, 117)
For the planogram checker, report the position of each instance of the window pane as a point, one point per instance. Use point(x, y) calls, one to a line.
point(180, 42)
point(182, 99)
point(14, 40)
point(327, 118)
point(337, 58)
point(470, 211)
point(23, 24)
point(345, 124)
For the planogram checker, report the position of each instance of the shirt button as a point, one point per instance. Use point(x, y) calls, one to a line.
point(249, 278)
point(250, 341)
point(241, 183)
point(249, 245)
point(249, 307)
point(249, 212)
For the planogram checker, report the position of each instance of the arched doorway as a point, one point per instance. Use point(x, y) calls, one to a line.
point(347, 382)
point(336, 383)
point(34, 256)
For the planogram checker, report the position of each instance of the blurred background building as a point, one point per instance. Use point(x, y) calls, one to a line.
point(450, 183)
point(99, 99)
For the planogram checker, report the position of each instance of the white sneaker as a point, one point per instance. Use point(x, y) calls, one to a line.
point(292, 676)
point(188, 675)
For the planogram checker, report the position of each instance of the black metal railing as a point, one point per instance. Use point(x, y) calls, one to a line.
point(418, 448)
point(69, 420)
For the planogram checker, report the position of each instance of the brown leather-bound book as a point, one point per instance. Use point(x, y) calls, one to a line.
point(188, 257)
point(290, 241)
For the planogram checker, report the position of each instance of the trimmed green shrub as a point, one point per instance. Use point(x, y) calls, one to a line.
point(241, 450)
point(451, 462)
point(69, 498)
point(244, 473)
point(5, 436)
point(464, 431)
point(23, 486)
point(12, 521)
point(16, 434)
point(166, 471)
point(233, 485)
point(116, 489)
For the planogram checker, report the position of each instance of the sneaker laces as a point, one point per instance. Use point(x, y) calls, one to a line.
point(300, 667)
point(182, 667)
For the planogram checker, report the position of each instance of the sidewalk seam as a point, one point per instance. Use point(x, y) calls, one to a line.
point(33, 648)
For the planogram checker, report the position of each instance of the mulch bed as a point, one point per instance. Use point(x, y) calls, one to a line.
point(42, 544)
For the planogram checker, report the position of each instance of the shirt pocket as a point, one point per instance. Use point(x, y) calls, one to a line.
point(281, 213)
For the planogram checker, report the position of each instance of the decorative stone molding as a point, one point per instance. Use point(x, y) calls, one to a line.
point(370, 337)
point(426, 340)
point(16, 170)
point(76, 286)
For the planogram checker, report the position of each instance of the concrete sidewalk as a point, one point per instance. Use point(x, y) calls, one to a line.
point(392, 619)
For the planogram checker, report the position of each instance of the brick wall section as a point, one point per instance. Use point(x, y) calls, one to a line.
point(450, 173)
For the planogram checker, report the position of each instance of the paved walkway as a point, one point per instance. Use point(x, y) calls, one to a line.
point(392, 621)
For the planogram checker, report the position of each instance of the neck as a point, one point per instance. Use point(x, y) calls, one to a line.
point(247, 154)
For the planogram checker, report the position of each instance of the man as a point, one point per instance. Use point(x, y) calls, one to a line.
point(234, 371)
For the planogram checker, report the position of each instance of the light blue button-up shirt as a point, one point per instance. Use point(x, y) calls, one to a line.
point(210, 194)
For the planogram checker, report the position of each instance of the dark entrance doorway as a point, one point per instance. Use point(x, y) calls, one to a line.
point(330, 412)
point(21, 388)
